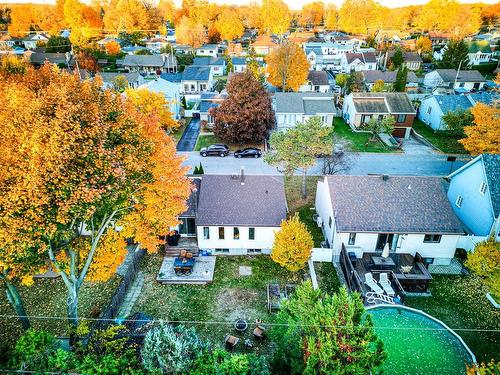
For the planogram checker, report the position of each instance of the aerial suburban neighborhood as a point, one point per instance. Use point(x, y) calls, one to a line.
point(250, 187)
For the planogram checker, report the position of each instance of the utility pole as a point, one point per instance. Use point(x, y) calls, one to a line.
point(458, 72)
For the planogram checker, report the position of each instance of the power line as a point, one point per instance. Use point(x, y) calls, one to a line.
point(212, 322)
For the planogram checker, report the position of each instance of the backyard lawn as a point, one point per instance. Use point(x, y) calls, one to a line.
point(48, 298)
point(356, 141)
point(446, 142)
point(293, 185)
point(229, 297)
point(205, 140)
point(460, 302)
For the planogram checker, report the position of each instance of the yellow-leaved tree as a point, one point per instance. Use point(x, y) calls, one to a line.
point(153, 104)
point(484, 135)
point(275, 17)
point(229, 25)
point(81, 170)
point(190, 32)
point(485, 262)
point(292, 244)
point(287, 67)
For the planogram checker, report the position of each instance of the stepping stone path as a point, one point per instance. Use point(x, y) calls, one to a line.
point(133, 293)
point(245, 271)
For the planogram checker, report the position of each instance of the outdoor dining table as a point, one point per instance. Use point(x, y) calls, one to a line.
point(183, 265)
point(379, 261)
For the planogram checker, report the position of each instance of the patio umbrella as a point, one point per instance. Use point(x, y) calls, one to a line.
point(385, 252)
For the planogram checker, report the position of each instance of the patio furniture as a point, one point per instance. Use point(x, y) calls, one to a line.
point(352, 257)
point(183, 253)
point(370, 281)
point(259, 332)
point(386, 284)
point(183, 266)
point(230, 341)
point(382, 262)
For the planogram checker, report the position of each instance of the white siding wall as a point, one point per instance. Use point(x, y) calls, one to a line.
point(434, 118)
point(264, 239)
point(323, 206)
point(442, 252)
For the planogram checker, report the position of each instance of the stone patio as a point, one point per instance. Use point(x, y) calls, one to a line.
point(454, 268)
point(203, 272)
point(245, 271)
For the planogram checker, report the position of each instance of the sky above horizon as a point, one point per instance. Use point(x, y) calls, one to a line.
point(293, 4)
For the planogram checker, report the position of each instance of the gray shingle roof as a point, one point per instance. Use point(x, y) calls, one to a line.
point(39, 58)
point(260, 202)
point(208, 61)
point(318, 77)
point(309, 103)
point(492, 168)
point(109, 77)
point(239, 60)
point(171, 77)
point(448, 75)
point(371, 76)
point(382, 102)
point(398, 205)
point(451, 103)
point(484, 97)
point(365, 57)
point(196, 73)
point(148, 60)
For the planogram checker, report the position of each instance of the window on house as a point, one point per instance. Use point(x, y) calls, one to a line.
point(330, 222)
point(462, 84)
point(251, 233)
point(186, 88)
point(206, 233)
point(254, 251)
point(193, 87)
point(236, 233)
point(221, 233)
point(401, 118)
point(221, 251)
point(429, 110)
point(352, 238)
point(432, 238)
point(459, 201)
point(482, 187)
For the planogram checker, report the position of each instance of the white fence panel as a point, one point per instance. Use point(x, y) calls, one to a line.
point(319, 254)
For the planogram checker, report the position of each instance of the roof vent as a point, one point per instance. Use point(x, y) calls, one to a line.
point(385, 177)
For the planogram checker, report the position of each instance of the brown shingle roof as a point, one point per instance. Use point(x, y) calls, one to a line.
point(259, 202)
point(397, 205)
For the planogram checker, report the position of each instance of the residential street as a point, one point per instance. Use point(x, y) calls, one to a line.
point(190, 135)
point(359, 164)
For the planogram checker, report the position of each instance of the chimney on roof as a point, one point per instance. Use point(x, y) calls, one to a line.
point(385, 177)
point(242, 176)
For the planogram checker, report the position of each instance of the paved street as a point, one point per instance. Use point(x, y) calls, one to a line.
point(360, 164)
point(190, 135)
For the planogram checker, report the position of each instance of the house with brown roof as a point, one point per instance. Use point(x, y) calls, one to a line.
point(409, 215)
point(389, 78)
point(411, 60)
point(264, 45)
point(317, 81)
point(234, 214)
point(359, 107)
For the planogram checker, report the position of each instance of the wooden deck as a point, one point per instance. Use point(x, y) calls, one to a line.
point(189, 244)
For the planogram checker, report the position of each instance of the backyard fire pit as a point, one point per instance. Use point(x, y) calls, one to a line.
point(240, 325)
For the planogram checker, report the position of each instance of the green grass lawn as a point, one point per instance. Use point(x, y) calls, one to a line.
point(460, 302)
point(205, 140)
point(229, 297)
point(293, 186)
point(48, 298)
point(446, 142)
point(355, 141)
point(327, 277)
point(306, 216)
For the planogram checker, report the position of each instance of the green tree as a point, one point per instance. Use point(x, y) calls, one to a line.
point(376, 126)
point(457, 120)
point(142, 52)
point(296, 148)
point(341, 79)
point(221, 362)
point(354, 83)
point(58, 44)
point(485, 262)
point(401, 78)
point(456, 55)
point(397, 59)
point(171, 349)
point(323, 334)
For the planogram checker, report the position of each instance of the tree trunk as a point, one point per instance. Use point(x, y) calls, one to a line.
point(304, 183)
point(15, 299)
point(72, 305)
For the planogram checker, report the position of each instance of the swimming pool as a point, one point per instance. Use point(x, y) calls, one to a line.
point(417, 343)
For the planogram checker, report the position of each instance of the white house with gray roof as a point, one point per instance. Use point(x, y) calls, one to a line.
point(235, 214)
point(434, 107)
point(111, 79)
point(474, 195)
point(216, 64)
point(149, 64)
point(210, 50)
point(293, 107)
point(408, 214)
point(451, 79)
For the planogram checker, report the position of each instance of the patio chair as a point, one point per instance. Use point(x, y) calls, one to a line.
point(386, 284)
point(370, 281)
point(183, 253)
point(231, 341)
point(259, 332)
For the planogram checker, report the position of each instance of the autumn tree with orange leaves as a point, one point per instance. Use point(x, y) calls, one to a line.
point(483, 136)
point(80, 170)
point(112, 48)
point(229, 25)
point(288, 67)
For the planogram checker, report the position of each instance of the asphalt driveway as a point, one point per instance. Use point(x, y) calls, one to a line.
point(190, 135)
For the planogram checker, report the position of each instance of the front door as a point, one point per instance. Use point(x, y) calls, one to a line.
point(382, 239)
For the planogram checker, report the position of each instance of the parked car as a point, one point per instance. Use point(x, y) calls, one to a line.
point(215, 150)
point(249, 152)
